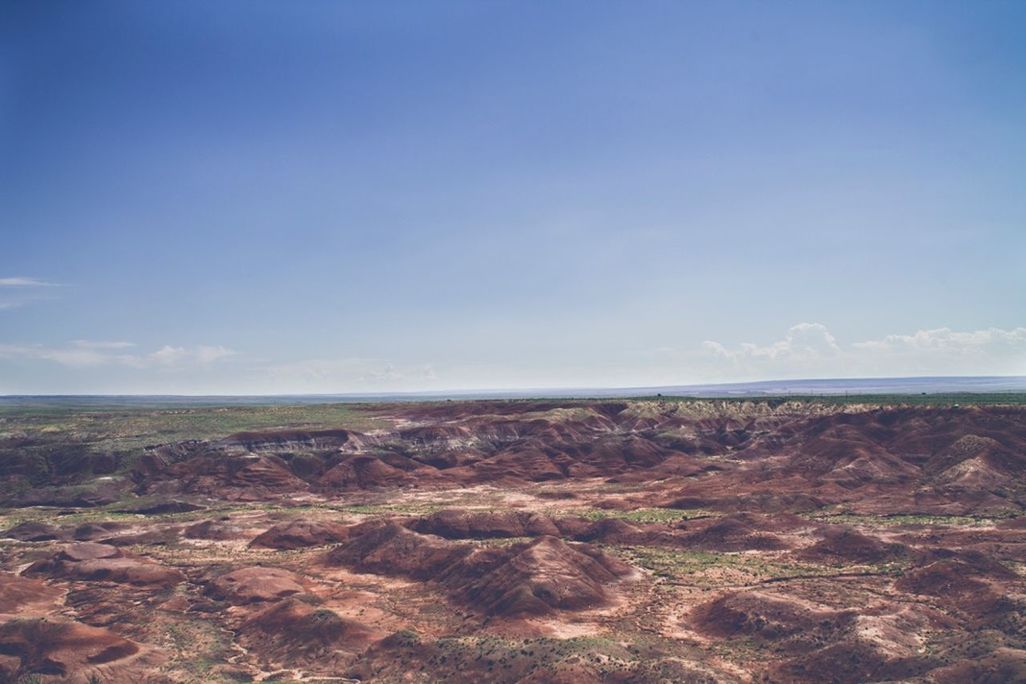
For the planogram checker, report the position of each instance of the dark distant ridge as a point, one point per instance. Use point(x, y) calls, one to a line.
point(766, 388)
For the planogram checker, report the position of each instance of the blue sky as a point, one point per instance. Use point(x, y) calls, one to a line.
point(275, 197)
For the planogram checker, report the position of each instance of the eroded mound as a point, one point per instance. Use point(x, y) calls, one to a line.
point(154, 536)
point(528, 578)
point(366, 472)
point(953, 577)
point(255, 584)
point(972, 585)
point(611, 531)
point(224, 474)
point(60, 648)
point(300, 533)
point(92, 562)
point(215, 530)
point(541, 576)
point(789, 624)
point(292, 630)
point(737, 532)
point(17, 593)
point(847, 545)
point(852, 661)
point(95, 531)
point(124, 570)
point(388, 548)
point(470, 524)
point(1001, 666)
point(33, 532)
point(86, 551)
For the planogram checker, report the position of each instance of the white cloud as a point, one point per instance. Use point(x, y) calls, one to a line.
point(89, 353)
point(947, 340)
point(95, 344)
point(803, 341)
point(17, 291)
point(810, 350)
point(206, 355)
point(168, 355)
point(72, 356)
point(21, 281)
point(202, 355)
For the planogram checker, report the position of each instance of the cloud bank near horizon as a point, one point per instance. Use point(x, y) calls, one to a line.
point(810, 350)
point(81, 354)
point(806, 350)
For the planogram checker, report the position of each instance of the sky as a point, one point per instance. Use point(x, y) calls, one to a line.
point(251, 197)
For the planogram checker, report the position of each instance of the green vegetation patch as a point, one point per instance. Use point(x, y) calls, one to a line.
point(646, 515)
point(902, 519)
point(116, 429)
point(712, 569)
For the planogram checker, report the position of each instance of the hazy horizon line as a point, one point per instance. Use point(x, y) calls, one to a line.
point(565, 389)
